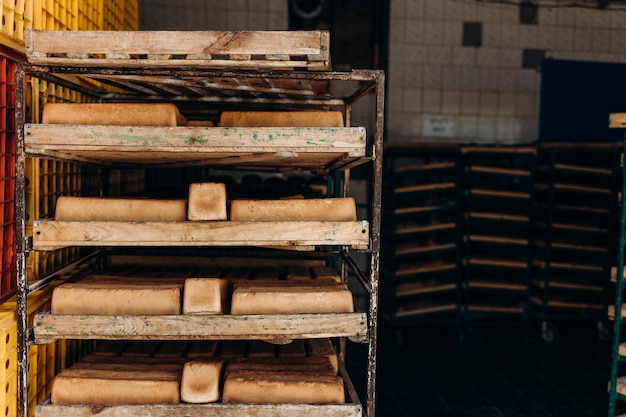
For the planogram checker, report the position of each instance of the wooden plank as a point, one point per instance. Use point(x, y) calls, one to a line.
point(217, 49)
point(424, 187)
point(578, 227)
point(414, 249)
point(417, 311)
point(221, 145)
point(50, 234)
point(584, 169)
point(578, 305)
point(48, 327)
point(503, 263)
point(426, 267)
point(424, 209)
point(573, 246)
point(564, 285)
point(405, 229)
point(499, 150)
point(617, 120)
point(581, 188)
point(419, 288)
point(500, 171)
point(490, 285)
point(497, 239)
point(499, 216)
point(199, 410)
point(495, 308)
point(572, 266)
point(499, 193)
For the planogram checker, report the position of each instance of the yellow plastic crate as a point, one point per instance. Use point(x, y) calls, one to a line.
point(113, 12)
point(16, 16)
point(131, 15)
point(90, 15)
point(55, 14)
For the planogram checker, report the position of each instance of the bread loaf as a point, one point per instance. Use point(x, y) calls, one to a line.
point(313, 209)
point(201, 381)
point(113, 114)
point(323, 348)
point(207, 201)
point(260, 387)
point(94, 386)
point(281, 119)
point(298, 298)
point(116, 299)
point(205, 296)
point(85, 209)
point(300, 364)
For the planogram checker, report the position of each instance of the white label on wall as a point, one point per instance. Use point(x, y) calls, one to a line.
point(438, 126)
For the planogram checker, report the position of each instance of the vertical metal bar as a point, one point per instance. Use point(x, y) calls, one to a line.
point(21, 246)
point(619, 286)
point(375, 236)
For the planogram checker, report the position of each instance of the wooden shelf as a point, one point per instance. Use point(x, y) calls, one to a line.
point(419, 288)
point(418, 311)
point(490, 285)
point(501, 263)
point(252, 148)
point(424, 187)
point(499, 194)
point(497, 239)
point(577, 305)
point(488, 308)
point(563, 285)
point(424, 209)
point(215, 49)
point(407, 229)
point(415, 249)
point(50, 234)
point(276, 328)
point(426, 267)
point(47, 409)
point(499, 216)
point(433, 166)
point(499, 171)
point(582, 169)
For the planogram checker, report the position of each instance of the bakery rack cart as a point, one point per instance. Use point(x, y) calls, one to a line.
point(421, 261)
point(617, 382)
point(215, 71)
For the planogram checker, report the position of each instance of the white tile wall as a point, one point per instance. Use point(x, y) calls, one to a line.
point(491, 98)
point(486, 91)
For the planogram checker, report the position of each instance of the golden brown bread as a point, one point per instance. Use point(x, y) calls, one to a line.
point(120, 209)
point(312, 209)
point(281, 119)
point(113, 114)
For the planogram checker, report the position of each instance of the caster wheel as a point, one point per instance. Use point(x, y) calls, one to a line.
point(549, 332)
point(604, 331)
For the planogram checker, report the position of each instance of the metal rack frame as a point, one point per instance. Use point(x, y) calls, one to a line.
point(370, 82)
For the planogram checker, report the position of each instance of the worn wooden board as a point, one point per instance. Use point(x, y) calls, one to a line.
point(581, 188)
point(48, 327)
point(577, 305)
point(496, 309)
point(501, 263)
point(499, 193)
point(406, 229)
point(50, 234)
point(564, 285)
point(417, 288)
point(433, 166)
point(424, 187)
point(500, 171)
point(424, 209)
point(497, 239)
point(490, 285)
point(414, 248)
point(426, 267)
point(499, 216)
point(270, 147)
point(215, 49)
point(583, 169)
point(47, 409)
point(417, 311)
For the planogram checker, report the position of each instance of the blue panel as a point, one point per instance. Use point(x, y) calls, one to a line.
point(577, 98)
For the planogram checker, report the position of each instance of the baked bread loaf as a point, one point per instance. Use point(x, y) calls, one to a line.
point(98, 386)
point(113, 114)
point(111, 298)
point(86, 209)
point(258, 297)
point(201, 381)
point(259, 387)
point(207, 201)
point(312, 209)
point(205, 296)
point(281, 119)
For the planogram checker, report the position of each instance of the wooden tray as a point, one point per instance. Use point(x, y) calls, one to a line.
point(320, 148)
point(286, 50)
point(50, 234)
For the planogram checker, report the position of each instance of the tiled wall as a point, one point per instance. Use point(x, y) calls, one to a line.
point(468, 70)
point(213, 15)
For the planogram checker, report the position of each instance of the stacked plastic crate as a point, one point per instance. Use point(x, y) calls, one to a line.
point(46, 179)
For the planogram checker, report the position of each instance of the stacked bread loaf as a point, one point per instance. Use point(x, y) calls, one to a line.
point(170, 372)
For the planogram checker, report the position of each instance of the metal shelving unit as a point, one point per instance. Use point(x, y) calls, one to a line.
point(577, 190)
point(204, 80)
point(421, 266)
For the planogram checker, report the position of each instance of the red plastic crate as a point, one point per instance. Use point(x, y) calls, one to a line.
point(7, 172)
